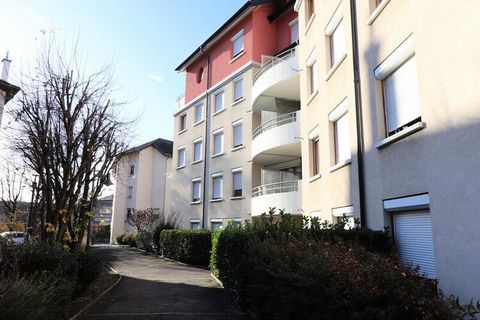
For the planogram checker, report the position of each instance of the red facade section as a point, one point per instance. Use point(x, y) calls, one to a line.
point(260, 38)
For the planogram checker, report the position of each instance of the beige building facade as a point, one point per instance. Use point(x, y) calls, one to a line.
point(389, 125)
point(141, 181)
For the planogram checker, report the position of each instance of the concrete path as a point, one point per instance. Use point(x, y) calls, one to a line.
point(152, 288)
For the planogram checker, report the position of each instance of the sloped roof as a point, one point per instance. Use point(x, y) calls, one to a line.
point(163, 146)
point(10, 89)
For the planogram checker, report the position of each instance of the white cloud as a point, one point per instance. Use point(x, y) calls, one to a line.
point(156, 77)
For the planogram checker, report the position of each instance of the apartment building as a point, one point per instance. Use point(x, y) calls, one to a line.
point(226, 167)
point(389, 125)
point(7, 90)
point(141, 179)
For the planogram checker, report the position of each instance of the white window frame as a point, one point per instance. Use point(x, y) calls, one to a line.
point(130, 192)
point(222, 142)
point(314, 136)
point(340, 111)
point(312, 73)
point(235, 124)
point(218, 222)
point(235, 82)
point(237, 171)
point(332, 27)
point(294, 31)
point(183, 123)
point(346, 211)
point(199, 181)
point(215, 97)
point(180, 149)
point(239, 36)
point(201, 108)
point(195, 222)
point(217, 176)
point(132, 170)
point(196, 142)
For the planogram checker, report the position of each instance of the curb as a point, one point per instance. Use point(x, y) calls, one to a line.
point(217, 280)
point(94, 301)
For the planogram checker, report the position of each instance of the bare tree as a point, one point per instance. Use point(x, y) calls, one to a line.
point(69, 133)
point(142, 220)
point(12, 184)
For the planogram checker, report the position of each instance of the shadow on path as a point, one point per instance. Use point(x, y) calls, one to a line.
point(152, 288)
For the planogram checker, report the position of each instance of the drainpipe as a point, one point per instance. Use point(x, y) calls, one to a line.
point(206, 143)
point(358, 114)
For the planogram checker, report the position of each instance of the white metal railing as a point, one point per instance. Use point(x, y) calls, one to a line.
point(272, 61)
point(275, 122)
point(277, 187)
point(181, 100)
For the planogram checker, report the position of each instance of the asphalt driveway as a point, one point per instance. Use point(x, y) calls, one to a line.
point(152, 288)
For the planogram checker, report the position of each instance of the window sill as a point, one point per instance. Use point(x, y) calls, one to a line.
point(340, 165)
point(400, 135)
point(238, 101)
point(238, 148)
point(218, 155)
point(195, 202)
point(216, 200)
point(198, 161)
point(181, 167)
point(182, 131)
point(199, 122)
point(377, 12)
point(312, 96)
point(335, 67)
point(314, 178)
point(310, 22)
point(240, 54)
point(237, 198)
point(213, 115)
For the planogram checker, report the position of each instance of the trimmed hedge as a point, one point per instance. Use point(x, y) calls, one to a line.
point(187, 246)
point(285, 271)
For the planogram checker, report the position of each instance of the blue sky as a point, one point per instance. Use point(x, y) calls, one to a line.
point(145, 39)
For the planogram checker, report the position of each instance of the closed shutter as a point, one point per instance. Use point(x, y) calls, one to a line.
point(197, 151)
point(196, 191)
point(342, 139)
point(402, 102)
point(337, 44)
point(414, 241)
point(217, 187)
point(219, 102)
point(237, 135)
point(238, 90)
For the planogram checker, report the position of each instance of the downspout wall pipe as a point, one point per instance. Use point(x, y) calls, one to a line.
point(206, 143)
point(358, 114)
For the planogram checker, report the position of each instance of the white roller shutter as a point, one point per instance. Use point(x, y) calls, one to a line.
point(414, 241)
point(402, 102)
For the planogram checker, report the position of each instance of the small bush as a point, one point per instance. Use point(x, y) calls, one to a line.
point(119, 239)
point(188, 246)
point(130, 239)
point(145, 241)
point(162, 225)
point(89, 268)
point(101, 234)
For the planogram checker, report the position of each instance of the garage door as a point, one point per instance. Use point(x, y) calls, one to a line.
point(413, 238)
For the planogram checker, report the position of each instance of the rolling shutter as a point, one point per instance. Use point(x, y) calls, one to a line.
point(414, 241)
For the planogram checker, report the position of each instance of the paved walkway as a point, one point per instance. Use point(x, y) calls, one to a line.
point(152, 288)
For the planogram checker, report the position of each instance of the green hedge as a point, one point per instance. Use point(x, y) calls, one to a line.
point(188, 246)
point(285, 271)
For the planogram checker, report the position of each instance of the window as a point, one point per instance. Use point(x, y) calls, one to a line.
point(196, 190)
point(197, 151)
point(218, 102)
point(344, 215)
point(183, 122)
point(341, 133)
point(337, 44)
point(194, 224)
point(217, 183)
point(132, 169)
point(412, 229)
point(237, 134)
point(237, 90)
point(130, 191)
point(310, 8)
point(129, 212)
point(237, 182)
point(312, 72)
point(218, 142)
point(293, 30)
point(198, 113)
point(216, 224)
point(315, 157)
point(200, 75)
point(401, 99)
point(237, 44)
point(181, 157)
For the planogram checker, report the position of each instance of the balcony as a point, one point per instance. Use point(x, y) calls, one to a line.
point(282, 195)
point(277, 139)
point(180, 101)
point(278, 77)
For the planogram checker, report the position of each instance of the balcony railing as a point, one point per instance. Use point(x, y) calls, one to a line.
point(272, 61)
point(180, 101)
point(275, 122)
point(277, 187)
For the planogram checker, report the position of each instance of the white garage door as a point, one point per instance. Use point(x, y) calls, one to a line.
point(413, 238)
